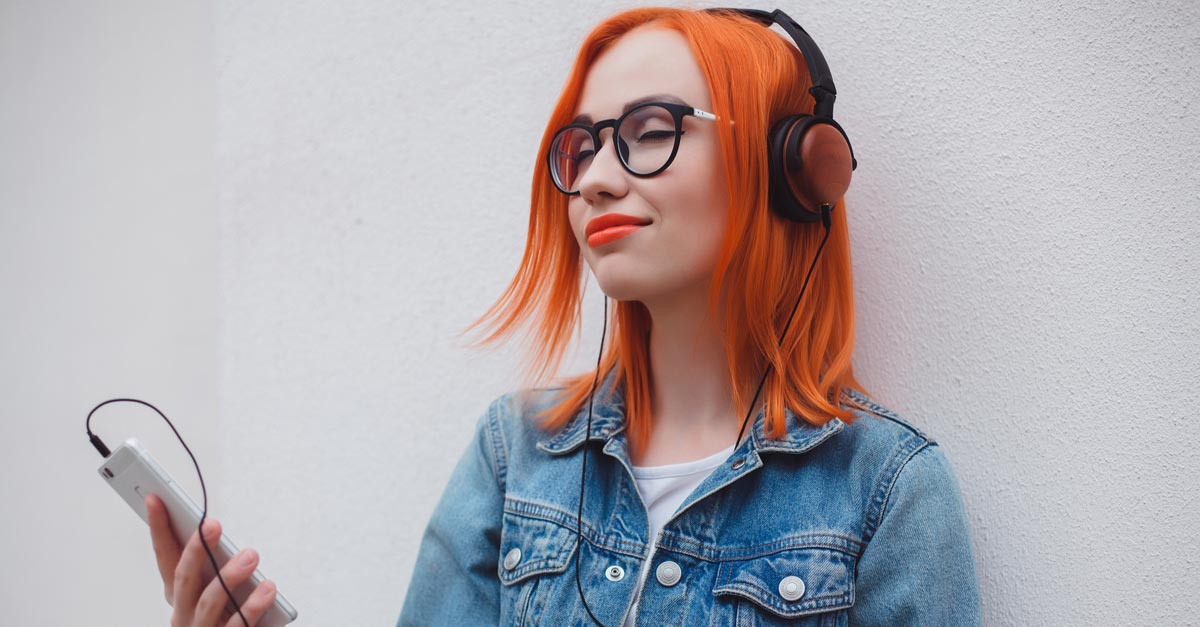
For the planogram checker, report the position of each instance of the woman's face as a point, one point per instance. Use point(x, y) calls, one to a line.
point(683, 208)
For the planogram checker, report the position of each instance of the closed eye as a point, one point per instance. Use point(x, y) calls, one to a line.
point(587, 154)
point(657, 135)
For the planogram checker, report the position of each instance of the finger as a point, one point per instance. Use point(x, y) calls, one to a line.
point(256, 605)
point(190, 570)
point(166, 546)
point(214, 598)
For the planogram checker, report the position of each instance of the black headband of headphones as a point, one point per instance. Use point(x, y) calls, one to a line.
point(822, 89)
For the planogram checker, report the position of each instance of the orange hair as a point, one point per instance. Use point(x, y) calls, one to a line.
point(755, 77)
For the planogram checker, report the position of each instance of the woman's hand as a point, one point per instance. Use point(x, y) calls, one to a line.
point(196, 605)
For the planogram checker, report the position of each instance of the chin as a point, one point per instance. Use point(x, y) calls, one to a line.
point(634, 289)
point(624, 285)
point(630, 279)
point(621, 290)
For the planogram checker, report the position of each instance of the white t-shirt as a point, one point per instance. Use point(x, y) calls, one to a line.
point(663, 490)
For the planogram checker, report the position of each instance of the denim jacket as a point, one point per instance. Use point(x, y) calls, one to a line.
point(858, 523)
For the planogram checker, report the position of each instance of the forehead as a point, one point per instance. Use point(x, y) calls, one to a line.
point(645, 61)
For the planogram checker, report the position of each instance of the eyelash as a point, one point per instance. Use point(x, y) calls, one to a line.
point(664, 135)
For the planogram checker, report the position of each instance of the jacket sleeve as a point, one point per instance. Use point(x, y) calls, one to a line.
point(455, 580)
point(917, 567)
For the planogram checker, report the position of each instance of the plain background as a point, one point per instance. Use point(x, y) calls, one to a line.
point(271, 219)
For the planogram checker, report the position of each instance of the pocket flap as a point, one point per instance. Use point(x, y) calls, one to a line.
point(531, 546)
point(793, 582)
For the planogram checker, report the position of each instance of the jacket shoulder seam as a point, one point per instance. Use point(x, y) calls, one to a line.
point(867, 404)
point(882, 495)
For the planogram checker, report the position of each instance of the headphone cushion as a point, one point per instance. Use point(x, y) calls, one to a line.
point(783, 199)
point(781, 135)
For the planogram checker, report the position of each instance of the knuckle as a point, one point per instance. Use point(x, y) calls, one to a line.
point(235, 573)
point(205, 605)
point(183, 578)
point(268, 594)
point(263, 597)
point(208, 605)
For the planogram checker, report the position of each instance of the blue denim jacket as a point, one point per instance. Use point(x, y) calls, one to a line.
point(858, 523)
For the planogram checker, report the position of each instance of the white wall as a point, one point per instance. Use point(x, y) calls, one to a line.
point(1024, 221)
point(108, 287)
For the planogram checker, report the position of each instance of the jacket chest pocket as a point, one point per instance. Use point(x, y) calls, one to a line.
point(532, 553)
point(804, 586)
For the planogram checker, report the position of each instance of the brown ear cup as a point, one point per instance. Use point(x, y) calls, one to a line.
point(811, 164)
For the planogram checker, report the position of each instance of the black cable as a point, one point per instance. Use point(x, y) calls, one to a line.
point(583, 471)
point(826, 221)
point(99, 444)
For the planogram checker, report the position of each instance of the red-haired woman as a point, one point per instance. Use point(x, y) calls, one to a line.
point(827, 509)
point(721, 466)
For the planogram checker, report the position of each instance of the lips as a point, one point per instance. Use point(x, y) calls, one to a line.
point(611, 227)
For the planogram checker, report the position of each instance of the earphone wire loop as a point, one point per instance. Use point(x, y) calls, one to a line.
point(203, 490)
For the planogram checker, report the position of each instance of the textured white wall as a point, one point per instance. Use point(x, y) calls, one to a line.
point(1025, 229)
point(1024, 221)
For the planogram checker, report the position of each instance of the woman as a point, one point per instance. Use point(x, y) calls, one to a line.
point(632, 494)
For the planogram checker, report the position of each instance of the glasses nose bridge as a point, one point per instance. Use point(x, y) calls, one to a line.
point(603, 175)
point(599, 127)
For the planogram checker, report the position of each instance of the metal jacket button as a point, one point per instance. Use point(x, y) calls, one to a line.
point(512, 558)
point(614, 573)
point(668, 573)
point(791, 588)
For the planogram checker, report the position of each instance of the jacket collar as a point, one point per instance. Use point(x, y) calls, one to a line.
point(608, 420)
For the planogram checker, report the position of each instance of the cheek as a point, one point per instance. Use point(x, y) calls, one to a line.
point(700, 175)
point(708, 220)
point(702, 207)
point(694, 225)
point(575, 211)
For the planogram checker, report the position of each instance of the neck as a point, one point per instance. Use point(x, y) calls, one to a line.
point(691, 395)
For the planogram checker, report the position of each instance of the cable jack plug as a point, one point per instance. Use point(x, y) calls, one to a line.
point(99, 444)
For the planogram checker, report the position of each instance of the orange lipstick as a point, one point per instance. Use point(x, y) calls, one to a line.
point(611, 227)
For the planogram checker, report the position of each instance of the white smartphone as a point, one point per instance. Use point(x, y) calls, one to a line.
point(133, 473)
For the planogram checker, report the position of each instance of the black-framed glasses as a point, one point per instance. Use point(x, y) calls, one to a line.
point(647, 138)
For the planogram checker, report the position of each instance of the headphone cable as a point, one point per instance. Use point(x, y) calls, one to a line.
point(103, 450)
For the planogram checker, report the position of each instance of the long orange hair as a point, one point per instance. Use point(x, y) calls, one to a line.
point(755, 77)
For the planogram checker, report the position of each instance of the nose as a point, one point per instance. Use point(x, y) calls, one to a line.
point(605, 174)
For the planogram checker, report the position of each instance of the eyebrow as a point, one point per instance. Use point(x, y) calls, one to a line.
point(584, 118)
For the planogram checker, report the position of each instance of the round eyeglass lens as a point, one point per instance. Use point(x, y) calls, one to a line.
point(570, 153)
point(649, 137)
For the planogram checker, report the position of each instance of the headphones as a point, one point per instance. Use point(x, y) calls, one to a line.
point(810, 157)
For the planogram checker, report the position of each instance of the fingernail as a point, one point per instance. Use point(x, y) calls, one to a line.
point(247, 556)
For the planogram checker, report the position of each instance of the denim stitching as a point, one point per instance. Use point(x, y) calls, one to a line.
point(496, 440)
point(537, 511)
point(827, 541)
point(811, 606)
point(883, 412)
point(874, 517)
